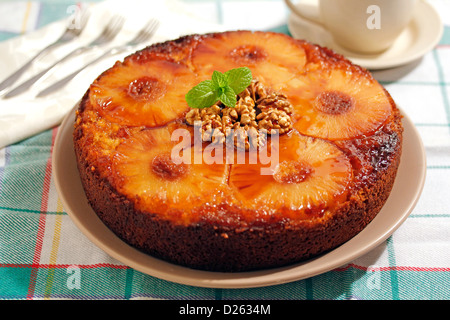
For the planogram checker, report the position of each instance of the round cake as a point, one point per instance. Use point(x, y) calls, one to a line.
point(301, 163)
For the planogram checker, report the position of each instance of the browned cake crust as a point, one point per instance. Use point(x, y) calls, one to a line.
point(224, 236)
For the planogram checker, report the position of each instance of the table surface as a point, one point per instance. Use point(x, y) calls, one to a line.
point(44, 256)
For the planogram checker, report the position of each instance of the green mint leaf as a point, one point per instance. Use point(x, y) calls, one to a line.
point(228, 96)
point(222, 86)
point(203, 95)
point(239, 79)
point(218, 79)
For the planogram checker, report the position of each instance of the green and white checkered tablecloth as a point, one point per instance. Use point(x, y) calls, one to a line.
point(41, 250)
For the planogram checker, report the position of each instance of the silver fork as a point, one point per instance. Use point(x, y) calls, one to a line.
point(79, 20)
point(146, 33)
point(110, 30)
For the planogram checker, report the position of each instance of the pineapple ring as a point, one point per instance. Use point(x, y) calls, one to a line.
point(310, 176)
point(143, 164)
point(249, 49)
point(338, 104)
point(149, 95)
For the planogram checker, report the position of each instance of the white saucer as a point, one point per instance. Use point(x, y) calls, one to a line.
point(421, 35)
point(404, 196)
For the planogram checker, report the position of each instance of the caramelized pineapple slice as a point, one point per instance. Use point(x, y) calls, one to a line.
point(165, 174)
point(149, 94)
point(273, 58)
point(338, 103)
point(310, 176)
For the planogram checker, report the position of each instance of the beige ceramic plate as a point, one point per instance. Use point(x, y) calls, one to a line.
point(405, 193)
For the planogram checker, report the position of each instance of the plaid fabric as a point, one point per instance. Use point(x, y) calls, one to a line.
point(44, 256)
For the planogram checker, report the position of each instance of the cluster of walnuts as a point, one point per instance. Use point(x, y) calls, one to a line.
point(257, 113)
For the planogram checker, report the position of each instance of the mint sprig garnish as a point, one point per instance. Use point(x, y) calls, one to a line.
point(223, 87)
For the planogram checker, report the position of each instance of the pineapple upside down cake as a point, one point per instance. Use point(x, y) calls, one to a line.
point(261, 170)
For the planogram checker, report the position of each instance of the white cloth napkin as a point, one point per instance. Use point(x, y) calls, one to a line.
point(24, 115)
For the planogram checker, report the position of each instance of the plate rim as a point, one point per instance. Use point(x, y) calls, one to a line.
point(208, 279)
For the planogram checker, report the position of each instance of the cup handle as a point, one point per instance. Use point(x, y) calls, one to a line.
point(295, 9)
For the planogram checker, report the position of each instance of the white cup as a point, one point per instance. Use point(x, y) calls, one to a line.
point(364, 26)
